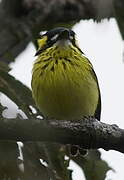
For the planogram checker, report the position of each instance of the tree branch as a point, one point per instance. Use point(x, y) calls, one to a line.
point(119, 14)
point(88, 132)
point(21, 21)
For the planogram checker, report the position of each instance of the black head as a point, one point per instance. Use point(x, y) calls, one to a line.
point(57, 34)
point(57, 31)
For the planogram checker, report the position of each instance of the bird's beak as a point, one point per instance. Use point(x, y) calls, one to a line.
point(64, 35)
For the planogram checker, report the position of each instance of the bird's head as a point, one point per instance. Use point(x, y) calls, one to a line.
point(59, 37)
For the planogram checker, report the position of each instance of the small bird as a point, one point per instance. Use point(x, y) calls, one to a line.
point(64, 84)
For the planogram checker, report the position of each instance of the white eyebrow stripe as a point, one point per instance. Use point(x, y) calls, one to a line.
point(54, 37)
point(71, 37)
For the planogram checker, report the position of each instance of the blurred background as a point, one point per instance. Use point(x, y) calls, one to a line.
point(99, 29)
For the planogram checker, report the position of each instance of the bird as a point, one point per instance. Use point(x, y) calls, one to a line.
point(64, 83)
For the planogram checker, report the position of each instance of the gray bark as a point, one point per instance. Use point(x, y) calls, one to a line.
point(88, 132)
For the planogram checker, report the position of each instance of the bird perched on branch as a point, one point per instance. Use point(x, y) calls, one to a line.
point(64, 84)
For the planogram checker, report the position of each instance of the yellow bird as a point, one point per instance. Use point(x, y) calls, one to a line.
point(64, 84)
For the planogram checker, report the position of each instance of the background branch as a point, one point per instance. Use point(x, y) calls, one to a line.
point(21, 21)
point(88, 132)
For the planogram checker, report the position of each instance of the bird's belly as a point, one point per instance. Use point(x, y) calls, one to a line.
point(67, 98)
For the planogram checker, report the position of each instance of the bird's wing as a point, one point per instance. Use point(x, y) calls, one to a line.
point(98, 109)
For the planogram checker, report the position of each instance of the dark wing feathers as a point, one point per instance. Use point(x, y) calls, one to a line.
point(98, 109)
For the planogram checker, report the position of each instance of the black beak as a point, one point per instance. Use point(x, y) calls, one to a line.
point(65, 34)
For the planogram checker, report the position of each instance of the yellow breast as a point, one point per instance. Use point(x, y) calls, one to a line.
point(64, 86)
